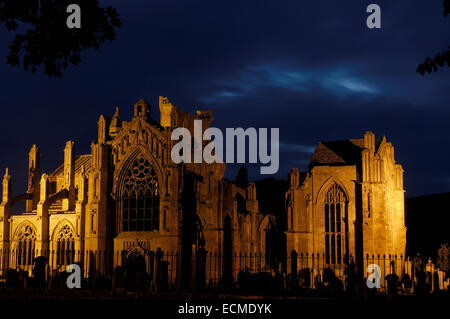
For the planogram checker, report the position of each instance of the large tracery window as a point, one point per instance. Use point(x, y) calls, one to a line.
point(335, 210)
point(26, 238)
point(65, 246)
point(139, 198)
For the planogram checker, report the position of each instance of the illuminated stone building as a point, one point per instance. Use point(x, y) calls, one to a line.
point(350, 204)
point(126, 200)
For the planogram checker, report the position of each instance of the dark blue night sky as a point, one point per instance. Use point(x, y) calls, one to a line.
point(311, 68)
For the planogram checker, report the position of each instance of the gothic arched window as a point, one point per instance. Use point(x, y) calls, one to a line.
point(138, 202)
point(334, 212)
point(65, 246)
point(26, 238)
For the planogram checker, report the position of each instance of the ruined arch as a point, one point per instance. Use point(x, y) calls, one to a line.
point(136, 267)
point(267, 222)
point(24, 244)
point(19, 229)
point(334, 217)
point(63, 241)
point(137, 194)
point(266, 228)
point(65, 223)
point(120, 171)
point(326, 185)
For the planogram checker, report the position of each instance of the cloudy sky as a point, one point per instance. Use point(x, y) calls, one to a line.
point(311, 68)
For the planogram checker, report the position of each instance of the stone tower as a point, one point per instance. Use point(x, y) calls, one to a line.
point(349, 205)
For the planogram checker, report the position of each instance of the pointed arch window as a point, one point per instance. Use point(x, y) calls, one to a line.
point(138, 203)
point(26, 238)
point(334, 214)
point(65, 246)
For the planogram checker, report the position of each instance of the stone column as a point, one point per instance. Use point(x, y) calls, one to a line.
point(69, 176)
point(5, 213)
point(97, 206)
point(80, 211)
point(42, 217)
point(34, 168)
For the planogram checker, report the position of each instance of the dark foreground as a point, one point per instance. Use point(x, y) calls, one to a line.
point(109, 305)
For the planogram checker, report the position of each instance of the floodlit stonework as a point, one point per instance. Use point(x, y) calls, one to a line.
point(350, 204)
point(126, 202)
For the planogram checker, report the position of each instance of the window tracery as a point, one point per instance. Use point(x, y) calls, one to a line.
point(138, 202)
point(334, 213)
point(26, 238)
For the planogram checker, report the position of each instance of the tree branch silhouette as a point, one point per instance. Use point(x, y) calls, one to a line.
point(441, 58)
point(42, 38)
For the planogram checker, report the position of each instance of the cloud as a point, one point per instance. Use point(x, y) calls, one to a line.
point(342, 82)
point(296, 148)
point(220, 96)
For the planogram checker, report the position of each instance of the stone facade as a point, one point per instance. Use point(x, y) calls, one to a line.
point(126, 199)
point(350, 204)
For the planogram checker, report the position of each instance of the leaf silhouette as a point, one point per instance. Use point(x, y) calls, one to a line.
point(42, 38)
